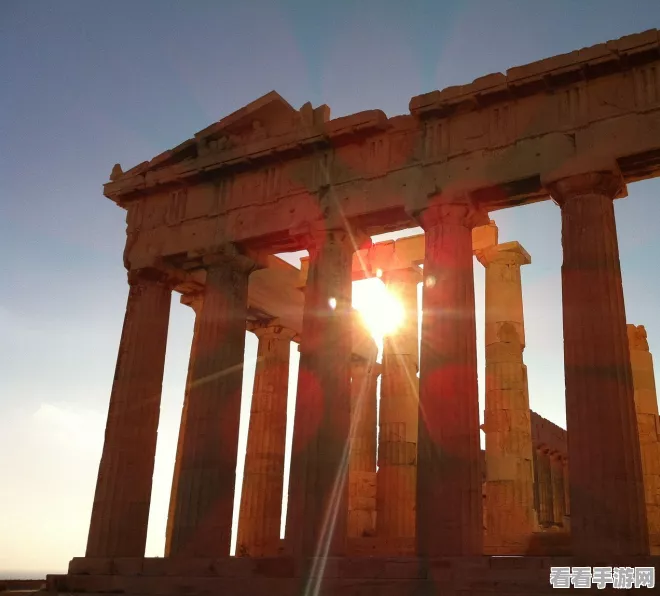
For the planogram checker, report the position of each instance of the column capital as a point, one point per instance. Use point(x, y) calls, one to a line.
point(193, 299)
point(507, 253)
point(313, 235)
point(457, 210)
point(271, 329)
point(179, 276)
point(150, 274)
point(229, 254)
point(609, 183)
point(637, 338)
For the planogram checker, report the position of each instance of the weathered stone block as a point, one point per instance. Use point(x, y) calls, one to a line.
point(233, 566)
point(127, 566)
point(155, 566)
point(90, 566)
point(191, 566)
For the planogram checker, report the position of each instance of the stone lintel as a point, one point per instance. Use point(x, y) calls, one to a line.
point(513, 251)
point(484, 236)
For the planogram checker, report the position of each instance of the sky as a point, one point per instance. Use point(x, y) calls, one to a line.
point(86, 84)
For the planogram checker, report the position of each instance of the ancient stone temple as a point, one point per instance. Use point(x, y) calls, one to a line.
point(396, 499)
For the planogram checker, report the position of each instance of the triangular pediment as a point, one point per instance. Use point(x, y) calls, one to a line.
point(268, 112)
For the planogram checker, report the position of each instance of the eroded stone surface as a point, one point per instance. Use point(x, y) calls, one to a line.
point(123, 491)
point(509, 486)
point(648, 426)
point(399, 404)
point(362, 448)
point(263, 477)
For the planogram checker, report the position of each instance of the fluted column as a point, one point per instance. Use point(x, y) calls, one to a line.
point(608, 516)
point(362, 458)
point(205, 493)
point(194, 300)
point(120, 513)
point(449, 484)
point(318, 488)
point(509, 486)
point(557, 479)
point(648, 424)
point(261, 498)
point(399, 405)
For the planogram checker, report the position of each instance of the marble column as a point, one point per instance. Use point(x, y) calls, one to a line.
point(362, 458)
point(398, 420)
point(318, 487)
point(205, 493)
point(261, 498)
point(120, 513)
point(546, 513)
point(648, 424)
point(449, 483)
point(509, 486)
point(608, 516)
point(194, 300)
point(557, 479)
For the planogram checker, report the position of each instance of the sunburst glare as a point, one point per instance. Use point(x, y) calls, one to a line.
point(380, 310)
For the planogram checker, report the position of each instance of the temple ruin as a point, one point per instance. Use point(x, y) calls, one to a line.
point(400, 501)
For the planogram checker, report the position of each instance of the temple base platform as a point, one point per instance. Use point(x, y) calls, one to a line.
point(349, 576)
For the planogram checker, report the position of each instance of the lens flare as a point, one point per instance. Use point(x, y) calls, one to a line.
point(382, 313)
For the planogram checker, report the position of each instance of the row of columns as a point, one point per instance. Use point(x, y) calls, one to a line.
point(608, 513)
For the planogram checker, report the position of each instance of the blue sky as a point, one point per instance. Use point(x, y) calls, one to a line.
point(86, 84)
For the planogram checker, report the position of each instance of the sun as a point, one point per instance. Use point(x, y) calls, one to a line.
point(382, 313)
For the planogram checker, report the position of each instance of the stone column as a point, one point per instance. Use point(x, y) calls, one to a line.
point(362, 459)
point(205, 494)
point(608, 516)
point(194, 300)
point(509, 484)
point(546, 494)
point(317, 506)
point(449, 486)
point(557, 479)
point(261, 499)
point(648, 424)
point(120, 513)
point(399, 405)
